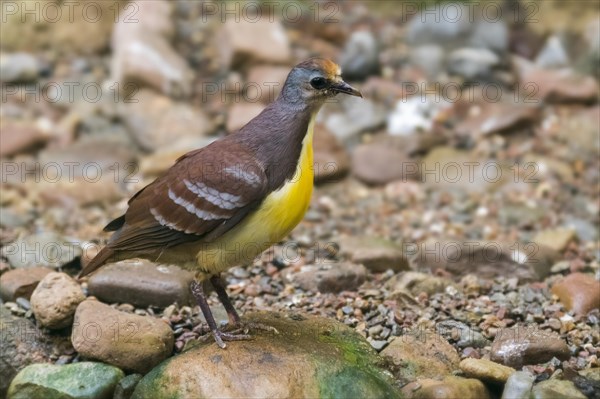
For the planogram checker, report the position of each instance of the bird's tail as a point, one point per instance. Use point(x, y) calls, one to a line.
point(98, 261)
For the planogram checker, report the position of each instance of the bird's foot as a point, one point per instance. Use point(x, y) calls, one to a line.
point(222, 336)
point(245, 327)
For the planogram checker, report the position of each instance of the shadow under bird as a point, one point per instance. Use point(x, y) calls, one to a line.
point(224, 204)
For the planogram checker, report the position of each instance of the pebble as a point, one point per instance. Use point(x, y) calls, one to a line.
point(518, 386)
point(21, 282)
point(556, 389)
point(360, 57)
point(523, 345)
point(47, 249)
point(486, 370)
point(76, 380)
point(141, 283)
point(55, 300)
point(128, 341)
point(328, 278)
point(557, 239)
point(18, 67)
point(449, 387)
point(422, 356)
point(376, 254)
point(578, 292)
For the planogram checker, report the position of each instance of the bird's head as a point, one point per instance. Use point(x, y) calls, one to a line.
point(314, 81)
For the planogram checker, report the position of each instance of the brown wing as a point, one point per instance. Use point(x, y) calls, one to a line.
point(206, 193)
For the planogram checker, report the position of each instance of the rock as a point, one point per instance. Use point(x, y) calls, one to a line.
point(588, 382)
point(55, 299)
point(377, 164)
point(557, 239)
point(416, 283)
point(486, 370)
point(360, 57)
point(79, 28)
point(128, 341)
point(499, 117)
point(472, 63)
point(578, 292)
point(331, 160)
point(429, 58)
point(142, 53)
point(156, 122)
point(376, 254)
point(76, 380)
point(335, 277)
point(464, 335)
point(126, 386)
point(520, 345)
point(263, 39)
point(157, 163)
point(449, 387)
point(491, 34)
point(19, 136)
point(23, 344)
point(18, 67)
point(265, 82)
point(584, 229)
point(427, 26)
point(46, 249)
point(141, 283)
point(556, 389)
point(310, 357)
point(558, 85)
point(242, 113)
point(415, 114)
point(553, 54)
point(359, 115)
point(422, 356)
point(486, 259)
point(518, 386)
point(21, 282)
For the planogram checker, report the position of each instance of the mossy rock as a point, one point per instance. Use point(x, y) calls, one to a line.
point(85, 380)
point(309, 357)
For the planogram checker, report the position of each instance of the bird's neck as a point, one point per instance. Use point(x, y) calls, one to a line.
point(279, 136)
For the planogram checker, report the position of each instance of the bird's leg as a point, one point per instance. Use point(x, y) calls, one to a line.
point(234, 318)
point(219, 335)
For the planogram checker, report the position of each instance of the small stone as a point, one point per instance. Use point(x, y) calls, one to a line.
point(143, 54)
point(157, 122)
point(360, 57)
point(128, 341)
point(486, 370)
point(141, 283)
point(46, 249)
point(472, 63)
point(557, 239)
point(422, 357)
point(55, 299)
point(76, 380)
point(126, 386)
point(263, 39)
point(18, 67)
point(464, 335)
point(331, 160)
point(578, 292)
point(556, 389)
point(520, 345)
point(376, 254)
point(358, 115)
point(416, 283)
point(378, 345)
point(21, 282)
point(553, 54)
point(329, 278)
point(518, 386)
point(449, 387)
point(378, 163)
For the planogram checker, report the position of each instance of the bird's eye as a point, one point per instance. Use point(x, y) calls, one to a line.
point(318, 83)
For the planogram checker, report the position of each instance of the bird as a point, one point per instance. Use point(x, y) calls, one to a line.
point(223, 204)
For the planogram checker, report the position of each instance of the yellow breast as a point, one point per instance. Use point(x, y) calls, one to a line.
point(279, 213)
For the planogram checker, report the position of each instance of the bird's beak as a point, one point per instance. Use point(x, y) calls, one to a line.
point(343, 87)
